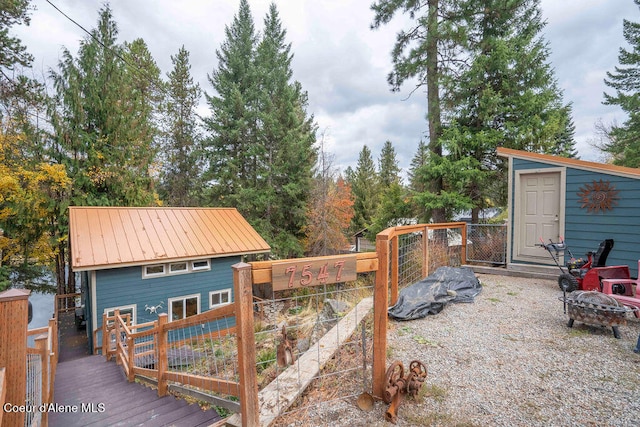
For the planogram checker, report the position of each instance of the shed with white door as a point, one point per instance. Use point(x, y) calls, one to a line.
point(582, 202)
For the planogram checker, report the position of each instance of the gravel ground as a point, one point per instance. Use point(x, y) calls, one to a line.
point(508, 359)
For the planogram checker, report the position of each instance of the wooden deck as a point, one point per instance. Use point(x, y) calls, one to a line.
point(109, 400)
point(101, 395)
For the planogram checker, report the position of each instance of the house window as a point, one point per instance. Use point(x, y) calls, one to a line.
point(183, 307)
point(125, 309)
point(218, 298)
point(202, 264)
point(153, 270)
point(159, 270)
point(178, 267)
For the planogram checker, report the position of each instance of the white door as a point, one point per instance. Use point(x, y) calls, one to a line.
point(537, 213)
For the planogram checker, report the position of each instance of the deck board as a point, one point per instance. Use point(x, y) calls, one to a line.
point(92, 380)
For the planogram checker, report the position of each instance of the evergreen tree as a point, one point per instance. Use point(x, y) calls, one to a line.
point(507, 97)
point(388, 169)
point(365, 191)
point(102, 119)
point(623, 142)
point(393, 208)
point(181, 185)
point(12, 51)
point(427, 52)
point(286, 135)
point(260, 150)
point(232, 149)
point(417, 184)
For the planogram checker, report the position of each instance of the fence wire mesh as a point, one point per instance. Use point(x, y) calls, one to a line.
point(487, 243)
point(33, 398)
point(314, 346)
point(411, 258)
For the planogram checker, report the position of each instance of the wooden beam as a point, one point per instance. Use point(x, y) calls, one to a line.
point(380, 306)
point(245, 334)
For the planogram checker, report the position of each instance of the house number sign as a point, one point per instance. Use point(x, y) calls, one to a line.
point(307, 272)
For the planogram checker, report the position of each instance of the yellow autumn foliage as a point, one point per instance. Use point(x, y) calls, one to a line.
point(28, 195)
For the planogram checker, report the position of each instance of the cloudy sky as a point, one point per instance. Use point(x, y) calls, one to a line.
point(341, 62)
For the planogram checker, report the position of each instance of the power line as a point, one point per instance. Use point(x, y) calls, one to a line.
point(135, 68)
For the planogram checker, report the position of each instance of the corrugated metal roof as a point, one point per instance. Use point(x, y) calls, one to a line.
point(108, 237)
point(575, 163)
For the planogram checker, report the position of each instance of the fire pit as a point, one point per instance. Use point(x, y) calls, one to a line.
point(595, 308)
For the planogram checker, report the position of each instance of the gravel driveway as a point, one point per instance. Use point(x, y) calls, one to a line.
point(509, 359)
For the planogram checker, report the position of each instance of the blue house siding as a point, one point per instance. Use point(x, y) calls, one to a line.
point(585, 230)
point(125, 286)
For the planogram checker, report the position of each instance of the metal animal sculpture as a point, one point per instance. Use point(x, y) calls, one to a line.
point(153, 309)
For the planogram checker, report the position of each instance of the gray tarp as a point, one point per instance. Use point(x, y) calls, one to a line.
point(431, 294)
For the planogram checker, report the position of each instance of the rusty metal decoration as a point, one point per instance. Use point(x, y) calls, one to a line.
point(397, 385)
point(284, 352)
point(598, 196)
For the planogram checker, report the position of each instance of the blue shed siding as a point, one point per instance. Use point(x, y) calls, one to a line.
point(125, 286)
point(585, 230)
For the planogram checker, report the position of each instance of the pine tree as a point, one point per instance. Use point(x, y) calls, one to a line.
point(181, 184)
point(388, 169)
point(427, 52)
point(286, 135)
point(507, 97)
point(623, 142)
point(365, 191)
point(103, 119)
point(260, 150)
point(232, 148)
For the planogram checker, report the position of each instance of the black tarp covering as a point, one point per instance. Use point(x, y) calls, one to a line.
point(431, 294)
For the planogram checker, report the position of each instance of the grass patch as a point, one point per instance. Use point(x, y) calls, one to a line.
point(425, 341)
point(438, 393)
point(493, 299)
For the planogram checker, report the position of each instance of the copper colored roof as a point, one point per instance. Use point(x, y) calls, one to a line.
point(575, 163)
point(108, 237)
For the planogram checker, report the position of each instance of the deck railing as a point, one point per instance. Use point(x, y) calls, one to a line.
point(196, 356)
point(30, 371)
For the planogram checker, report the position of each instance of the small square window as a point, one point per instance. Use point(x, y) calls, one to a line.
point(218, 298)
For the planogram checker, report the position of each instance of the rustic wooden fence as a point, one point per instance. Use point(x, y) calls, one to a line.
point(215, 353)
point(30, 371)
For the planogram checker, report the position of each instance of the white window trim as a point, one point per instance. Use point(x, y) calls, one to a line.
point(182, 298)
point(186, 268)
point(166, 268)
point(220, 292)
point(206, 267)
point(146, 275)
point(123, 307)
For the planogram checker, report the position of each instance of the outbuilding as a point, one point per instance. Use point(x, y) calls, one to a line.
point(150, 260)
point(582, 202)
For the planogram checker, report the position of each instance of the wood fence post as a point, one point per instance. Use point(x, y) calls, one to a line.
point(425, 251)
point(14, 312)
point(131, 355)
point(105, 337)
point(161, 363)
point(463, 255)
point(42, 345)
point(243, 293)
point(380, 306)
point(116, 324)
